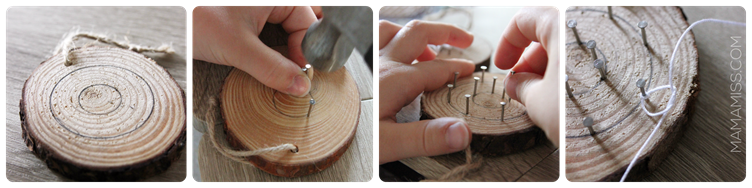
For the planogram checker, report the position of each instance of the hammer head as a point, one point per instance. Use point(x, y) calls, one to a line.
point(329, 42)
point(325, 47)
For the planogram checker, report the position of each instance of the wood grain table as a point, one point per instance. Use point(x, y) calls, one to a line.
point(32, 34)
point(706, 151)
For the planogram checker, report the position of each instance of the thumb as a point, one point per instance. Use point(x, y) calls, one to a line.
point(518, 85)
point(271, 68)
point(422, 138)
point(540, 99)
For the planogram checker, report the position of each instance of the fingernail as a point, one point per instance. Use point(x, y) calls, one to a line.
point(300, 86)
point(457, 136)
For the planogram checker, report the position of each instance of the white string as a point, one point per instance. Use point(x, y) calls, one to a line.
point(669, 86)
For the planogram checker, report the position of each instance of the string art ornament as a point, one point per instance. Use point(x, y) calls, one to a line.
point(631, 84)
point(96, 113)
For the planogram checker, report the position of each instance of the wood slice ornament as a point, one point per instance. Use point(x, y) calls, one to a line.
point(620, 126)
point(258, 117)
point(114, 115)
point(491, 135)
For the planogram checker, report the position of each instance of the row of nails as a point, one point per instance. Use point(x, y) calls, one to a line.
point(599, 64)
point(475, 89)
point(572, 24)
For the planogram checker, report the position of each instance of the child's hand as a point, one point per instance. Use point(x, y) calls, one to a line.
point(536, 82)
point(229, 36)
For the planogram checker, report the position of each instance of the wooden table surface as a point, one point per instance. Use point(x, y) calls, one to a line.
point(32, 34)
point(704, 153)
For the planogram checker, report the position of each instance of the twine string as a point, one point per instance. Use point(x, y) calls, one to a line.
point(217, 137)
point(68, 45)
point(670, 86)
point(460, 172)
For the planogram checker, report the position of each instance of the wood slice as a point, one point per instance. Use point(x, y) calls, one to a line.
point(491, 135)
point(620, 125)
point(113, 115)
point(259, 117)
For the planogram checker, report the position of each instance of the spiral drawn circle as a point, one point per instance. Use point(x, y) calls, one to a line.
point(99, 96)
point(100, 99)
point(113, 110)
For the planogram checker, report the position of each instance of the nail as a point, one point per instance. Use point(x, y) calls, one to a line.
point(483, 73)
point(467, 104)
point(566, 84)
point(591, 45)
point(493, 87)
point(456, 136)
point(641, 85)
point(588, 122)
point(503, 104)
point(310, 107)
point(642, 25)
point(449, 95)
point(309, 71)
point(456, 74)
point(475, 88)
point(610, 15)
point(572, 24)
point(601, 68)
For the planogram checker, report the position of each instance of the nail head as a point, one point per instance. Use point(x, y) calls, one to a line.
point(572, 23)
point(598, 64)
point(588, 122)
point(590, 44)
point(641, 83)
point(642, 24)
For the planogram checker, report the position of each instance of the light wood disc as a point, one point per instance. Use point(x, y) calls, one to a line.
point(113, 115)
point(620, 125)
point(491, 135)
point(259, 117)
